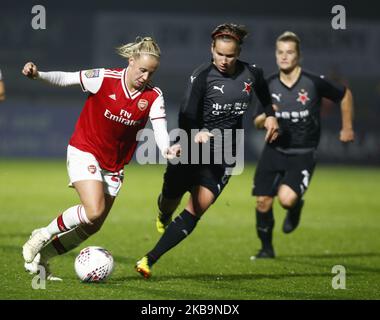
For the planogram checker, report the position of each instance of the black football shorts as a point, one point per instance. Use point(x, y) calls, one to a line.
point(181, 178)
point(276, 168)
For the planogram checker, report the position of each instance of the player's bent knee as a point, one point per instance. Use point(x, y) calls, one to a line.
point(287, 197)
point(264, 204)
point(95, 213)
point(198, 208)
point(287, 202)
point(201, 205)
point(201, 199)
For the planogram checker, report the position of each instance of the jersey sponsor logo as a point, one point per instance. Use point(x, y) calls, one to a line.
point(294, 116)
point(277, 97)
point(219, 88)
point(121, 118)
point(247, 87)
point(93, 73)
point(91, 168)
point(303, 96)
point(237, 108)
point(142, 104)
point(112, 96)
point(125, 113)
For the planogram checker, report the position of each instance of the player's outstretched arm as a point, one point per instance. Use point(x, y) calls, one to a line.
point(57, 78)
point(347, 110)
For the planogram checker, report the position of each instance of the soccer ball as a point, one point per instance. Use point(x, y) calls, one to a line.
point(94, 264)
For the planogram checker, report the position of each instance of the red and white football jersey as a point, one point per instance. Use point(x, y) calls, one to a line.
point(112, 116)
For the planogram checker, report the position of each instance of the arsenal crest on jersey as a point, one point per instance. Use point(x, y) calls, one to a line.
point(91, 168)
point(302, 96)
point(142, 104)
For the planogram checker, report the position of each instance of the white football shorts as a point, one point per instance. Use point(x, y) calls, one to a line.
point(84, 166)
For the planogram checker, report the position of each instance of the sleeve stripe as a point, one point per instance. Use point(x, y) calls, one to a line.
point(157, 118)
point(112, 76)
point(81, 82)
point(112, 71)
point(158, 91)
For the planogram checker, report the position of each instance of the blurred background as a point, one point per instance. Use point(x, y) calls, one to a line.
point(37, 120)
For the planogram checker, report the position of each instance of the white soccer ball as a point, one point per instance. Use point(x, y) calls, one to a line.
point(94, 264)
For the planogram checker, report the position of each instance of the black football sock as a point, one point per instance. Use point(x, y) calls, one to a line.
point(176, 231)
point(264, 227)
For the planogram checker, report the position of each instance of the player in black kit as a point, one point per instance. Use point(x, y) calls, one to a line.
point(217, 96)
point(286, 166)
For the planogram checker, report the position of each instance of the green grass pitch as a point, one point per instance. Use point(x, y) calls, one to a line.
point(339, 226)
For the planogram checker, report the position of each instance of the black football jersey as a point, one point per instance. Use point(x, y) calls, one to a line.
point(299, 109)
point(214, 100)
